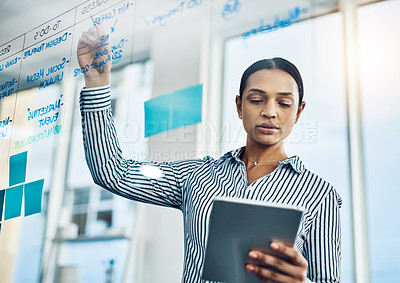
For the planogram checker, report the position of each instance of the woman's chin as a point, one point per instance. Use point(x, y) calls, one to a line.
point(268, 142)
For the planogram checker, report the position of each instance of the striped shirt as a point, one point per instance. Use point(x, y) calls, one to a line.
point(191, 186)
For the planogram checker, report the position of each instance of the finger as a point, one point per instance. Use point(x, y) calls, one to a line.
point(268, 275)
point(279, 264)
point(90, 36)
point(93, 31)
point(85, 38)
point(85, 34)
point(84, 41)
point(295, 256)
point(265, 279)
point(99, 32)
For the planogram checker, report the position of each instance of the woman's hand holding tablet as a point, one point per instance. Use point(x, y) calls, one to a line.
point(293, 270)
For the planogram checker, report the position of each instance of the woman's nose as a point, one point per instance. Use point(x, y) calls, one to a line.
point(269, 110)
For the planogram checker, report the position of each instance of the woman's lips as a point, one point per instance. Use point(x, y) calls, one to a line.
point(267, 128)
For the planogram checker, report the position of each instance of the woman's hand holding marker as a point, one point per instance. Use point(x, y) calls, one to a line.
point(95, 56)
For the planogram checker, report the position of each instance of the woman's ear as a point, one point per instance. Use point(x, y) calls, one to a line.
point(239, 105)
point(299, 110)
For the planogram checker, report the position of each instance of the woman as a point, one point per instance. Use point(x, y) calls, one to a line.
point(270, 103)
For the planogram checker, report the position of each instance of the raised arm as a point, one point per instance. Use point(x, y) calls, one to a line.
point(102, 151)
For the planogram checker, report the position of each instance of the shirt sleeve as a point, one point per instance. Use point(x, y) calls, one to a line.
point(119, 175)
point(323, 246)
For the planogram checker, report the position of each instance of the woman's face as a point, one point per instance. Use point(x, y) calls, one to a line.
point(269, 106)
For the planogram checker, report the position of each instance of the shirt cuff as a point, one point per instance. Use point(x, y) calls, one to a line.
point(95, 99)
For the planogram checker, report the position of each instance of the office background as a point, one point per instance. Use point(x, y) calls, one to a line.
point(346, 50)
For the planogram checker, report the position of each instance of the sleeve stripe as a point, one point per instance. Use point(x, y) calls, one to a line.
point(95, 99)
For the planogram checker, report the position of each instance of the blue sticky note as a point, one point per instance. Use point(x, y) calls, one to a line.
point(33, 197)
point(18, 168)
point(13, 203)
point(1, 203)
point(173, 110)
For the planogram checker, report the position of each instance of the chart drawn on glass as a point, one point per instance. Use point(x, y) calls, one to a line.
point(36, 71)
point(20, 191)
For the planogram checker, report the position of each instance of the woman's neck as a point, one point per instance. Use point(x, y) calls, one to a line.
point(258, 152)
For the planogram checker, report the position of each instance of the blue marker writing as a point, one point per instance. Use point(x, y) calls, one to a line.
point(231, 9)
point(94, 23)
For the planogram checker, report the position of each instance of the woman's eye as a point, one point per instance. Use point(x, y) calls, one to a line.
point(285, 105)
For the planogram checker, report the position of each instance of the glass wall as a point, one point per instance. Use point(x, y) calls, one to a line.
point(93, 218)
point(379, 46)
point(28, 136)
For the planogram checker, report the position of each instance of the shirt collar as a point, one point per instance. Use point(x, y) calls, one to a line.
point(294, 161)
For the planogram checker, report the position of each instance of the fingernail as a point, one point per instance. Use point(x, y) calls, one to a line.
point(253, 255)
point(275, 246)
point(250, 267)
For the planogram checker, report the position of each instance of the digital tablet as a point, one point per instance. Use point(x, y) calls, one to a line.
point(237, 226)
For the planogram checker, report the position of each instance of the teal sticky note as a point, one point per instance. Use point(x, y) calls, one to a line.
point(18, 168)
point(33, 197)
point(173, 110)
point(1, 204)
point(13, 202)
